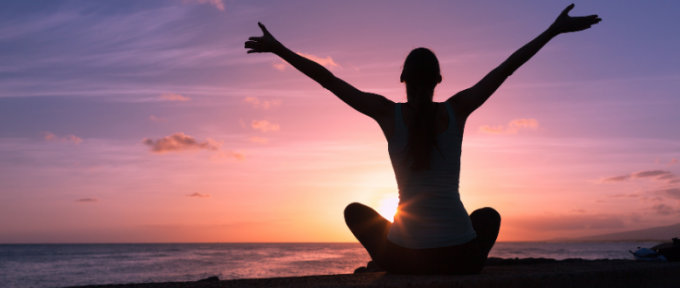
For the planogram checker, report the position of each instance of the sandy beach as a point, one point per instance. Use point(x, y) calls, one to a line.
point(599, 273)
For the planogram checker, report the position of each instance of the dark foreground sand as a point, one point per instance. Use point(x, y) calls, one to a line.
point(598, 273)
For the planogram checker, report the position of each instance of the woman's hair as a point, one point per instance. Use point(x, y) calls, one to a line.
point(421, 73)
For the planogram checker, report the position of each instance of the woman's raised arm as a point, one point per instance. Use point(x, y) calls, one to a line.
point(470, 99)
point(375, 106)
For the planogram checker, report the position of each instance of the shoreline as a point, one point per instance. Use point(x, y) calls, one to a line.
point(593, 273)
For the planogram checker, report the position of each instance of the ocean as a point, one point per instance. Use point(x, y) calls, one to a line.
point(60, 265)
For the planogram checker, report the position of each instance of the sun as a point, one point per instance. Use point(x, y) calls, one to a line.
point(387, 207)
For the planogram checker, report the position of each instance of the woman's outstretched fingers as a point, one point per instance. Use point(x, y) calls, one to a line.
point(253, 46)
point(565, 12)
point(264, 43)
point(264, 29)
point(565, 23)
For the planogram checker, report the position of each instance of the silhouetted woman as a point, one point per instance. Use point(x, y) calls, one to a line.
point(432, 232)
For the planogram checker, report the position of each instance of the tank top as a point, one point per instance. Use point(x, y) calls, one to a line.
point(430, 212)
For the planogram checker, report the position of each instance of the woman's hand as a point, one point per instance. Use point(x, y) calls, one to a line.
point(266, 43)
point(565, 23)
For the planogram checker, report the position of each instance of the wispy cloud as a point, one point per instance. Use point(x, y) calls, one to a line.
point(68, 138)
point(180, 142)
point(156, 119)
point(512, 128)
point(262, 104)
point(628, 195)
point(87, 200)
point(615, 179)
point(672, 192)
point(673, 161)
point(199, 195)
point(264, 126)
point(174, 97)
point(666, 187)
point(667, 176)
point(217, 3)
point(663, 209)
point(650, 173)
point(656, 175)
point(260, 140)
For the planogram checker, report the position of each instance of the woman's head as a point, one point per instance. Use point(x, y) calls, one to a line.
point(421, 68)
point(421, 74)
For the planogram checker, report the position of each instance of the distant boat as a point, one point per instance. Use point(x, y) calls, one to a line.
point(661, 233)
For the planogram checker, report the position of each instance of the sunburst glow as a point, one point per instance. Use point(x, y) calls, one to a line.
point(387, 207)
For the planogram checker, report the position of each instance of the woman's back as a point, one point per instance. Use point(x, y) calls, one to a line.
point(430, 211)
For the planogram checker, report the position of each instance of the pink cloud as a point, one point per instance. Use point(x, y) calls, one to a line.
point(280, 65)
point(673, 161)
point(180, 142)
point(199, 195)
point(68, 138)
point(174, 97)
point(262, 104)
point(229, 154)
point(260, 140)
point(87, 200)
point(216, 3)
point(327, 62)
point(264, 126)
point(156, 119)
point(524, 123)
point(50, 137)
point(512, 128)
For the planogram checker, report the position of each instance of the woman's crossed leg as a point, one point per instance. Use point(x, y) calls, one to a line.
point(468, 258)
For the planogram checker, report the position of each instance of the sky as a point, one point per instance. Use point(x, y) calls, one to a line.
point(146, 121)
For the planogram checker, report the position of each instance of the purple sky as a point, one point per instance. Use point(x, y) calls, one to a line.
point(268, 155)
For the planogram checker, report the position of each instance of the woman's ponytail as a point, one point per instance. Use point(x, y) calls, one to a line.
point(422, 135)
point(421, 73)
